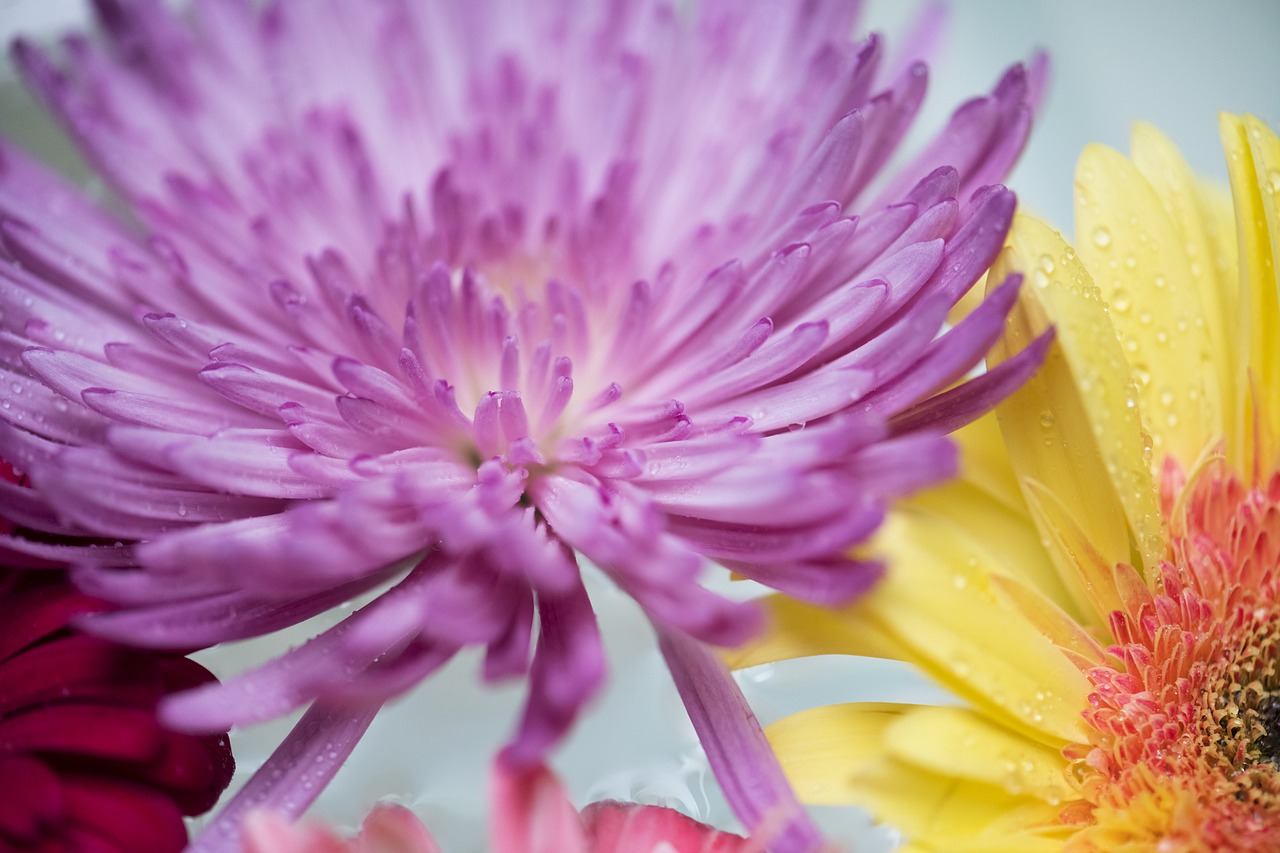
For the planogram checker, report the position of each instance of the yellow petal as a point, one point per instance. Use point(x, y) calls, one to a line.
point(938, 608)
point(984, 461)
point(1075, 426)
point(1139, 261)
point(1013, 538)
point(821, 748)
point(1253, 164)
point(961, 743)
point(1062, 630)
point(938, 603)
point(986, 499)
point(797, 630)
point(835, 755)
point(1266, 161)
point(1022, 842)
point(1050, 406)
point(1220, 223)
point(1196, 239)
point(939, 811)
point(1068, 542)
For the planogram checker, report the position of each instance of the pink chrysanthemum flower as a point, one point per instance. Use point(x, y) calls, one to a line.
point(450, 295)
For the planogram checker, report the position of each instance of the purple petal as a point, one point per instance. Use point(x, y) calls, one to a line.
point(201, 622)
point(951, 356)
point(729, 541)
point(740, 756)
point(831, 582)
point(335, 656)
point(293, 776)
point(971, 400)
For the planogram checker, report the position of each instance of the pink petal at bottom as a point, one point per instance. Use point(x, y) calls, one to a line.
point(616, 827)
point(531, 813)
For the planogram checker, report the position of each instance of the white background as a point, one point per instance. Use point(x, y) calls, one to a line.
point(1175, 64)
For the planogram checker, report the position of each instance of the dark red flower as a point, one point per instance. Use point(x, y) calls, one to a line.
point(84, 764)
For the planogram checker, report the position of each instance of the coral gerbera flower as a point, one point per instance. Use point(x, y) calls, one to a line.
point(440, 296)
point(1114, 623)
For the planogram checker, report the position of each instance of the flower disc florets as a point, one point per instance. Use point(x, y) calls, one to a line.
point(1184, 732)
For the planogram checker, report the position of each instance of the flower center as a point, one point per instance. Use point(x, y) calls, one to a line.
point(1246, 712)
point(1185, 740)
point(1269, 718)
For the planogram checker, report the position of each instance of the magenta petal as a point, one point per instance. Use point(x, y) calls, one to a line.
point(908, 463)
point(508, 655)
point(124, 815)
point(200, 622)
point(67, 667)
point(742, 542)
point(975, 246)
point(81, 750)
point(740, 756)
point(289, 681)
point(45, 611)
point(833, 582)
point(952, 355)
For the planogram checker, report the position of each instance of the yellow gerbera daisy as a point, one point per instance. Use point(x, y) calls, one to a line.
point(1101, 586)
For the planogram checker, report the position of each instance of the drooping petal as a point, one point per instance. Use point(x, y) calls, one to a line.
point(736, 747)
point(295, 773)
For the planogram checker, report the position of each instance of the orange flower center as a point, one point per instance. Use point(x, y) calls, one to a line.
point(1185, 724)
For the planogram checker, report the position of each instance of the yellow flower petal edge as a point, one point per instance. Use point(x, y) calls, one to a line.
point(1140, 263)
point(987, 495)
point(944, 813)
point(939, 605)
point(1076, 424)
point(822, 749)
point(801, 630)
point(960, 743)
point(985, 463)
point(1205, 257)
point(1253, 164)
point(833, 755)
